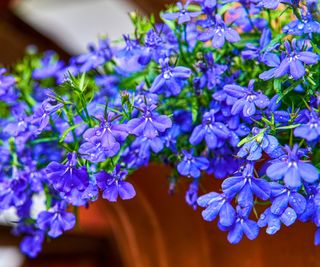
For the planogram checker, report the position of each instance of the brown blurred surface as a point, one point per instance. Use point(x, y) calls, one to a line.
point(16, 36)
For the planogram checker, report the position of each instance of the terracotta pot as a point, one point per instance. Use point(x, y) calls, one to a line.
point(158, 230)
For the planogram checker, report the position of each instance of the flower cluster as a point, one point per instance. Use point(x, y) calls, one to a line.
point(223, 88)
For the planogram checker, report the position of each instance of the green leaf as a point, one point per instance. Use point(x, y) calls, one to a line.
point(288, 127)
point(68, 130)
point(194, 110)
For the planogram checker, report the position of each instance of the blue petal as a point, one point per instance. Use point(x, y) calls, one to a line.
point(232, 186)
point(274, 224)
point(245, 197)
point(288, 217)
point(261, 188)
point(227, 215)
point(250, 228)
point(297, 202)
point(308, 172)
point(235, 234)
point(126, 190)
point(279, 204)
point(211, 212)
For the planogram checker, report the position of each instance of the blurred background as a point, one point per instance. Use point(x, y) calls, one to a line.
point(154, 229)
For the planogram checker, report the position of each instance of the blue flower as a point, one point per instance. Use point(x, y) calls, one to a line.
point(31, 245)
point(217, 204)
point(65, 178)
point(114, 185)
point(270, 4)
point(282, 196)
point(149, 124)
point(210, 130)
point(56, 221)
point(292, 64)
point(305, 25)
point(261, 141)
point(96, 56)
point(170, 81)
point(311, 130)
point(242, 225)
point(49, 67)
point(248, 99)
point(288, 217)
point(245, 185)
point(191, 166)
point(183, 15)
point(219, 33)
point(291, 169)
point(192, 194)
point(104, 140)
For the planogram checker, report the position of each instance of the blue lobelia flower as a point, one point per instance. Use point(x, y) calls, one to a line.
point(68, 177)
point(183, 15)
point(248, 99)
point(312, 210)
point(245, 185)
point(223, 163)
point(191, 166)
point(150, 123)
point(217, 204)
point(192, 194)
point(292, 64)
point(171, 79)
point(270, 4)
point(282, 196)
point(31, 245)
point(305, 25)
point(104, 140)
point(49, 67)
point(41, 116)
point(242, 225)
point(56, 221)
point(114, 185)
point(261, 141)
point(267, 218)
point(253, 52)
point(96, 56)
point(7, 91)
point(210, 130)
point(311, 130)
point(219, 33)
point(291, 169)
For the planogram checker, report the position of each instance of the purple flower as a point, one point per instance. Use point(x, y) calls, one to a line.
point(41, 116)
point(248, 99)
point(183, 15)
point(292, 64)
point(191, 166)
point(170, 81)
point(242, 225)
point(7, 92)
point(223, 163)
point(31, 245)
point(210, 130)
point(270, 4)
point(66, 178)
point(291, 169)
point(218, 33)
point(217, 204)
point(104, 140)
point(306, 25)
point(311, 130)
point(246, 185)
point(192, 194)
point(253, 52)
point(288, 217)
point(56, 221)
point(49, 66)
point(149, 124)
point(113, 185)
point(261, 141)
point(96, 57)
point(282, 196)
